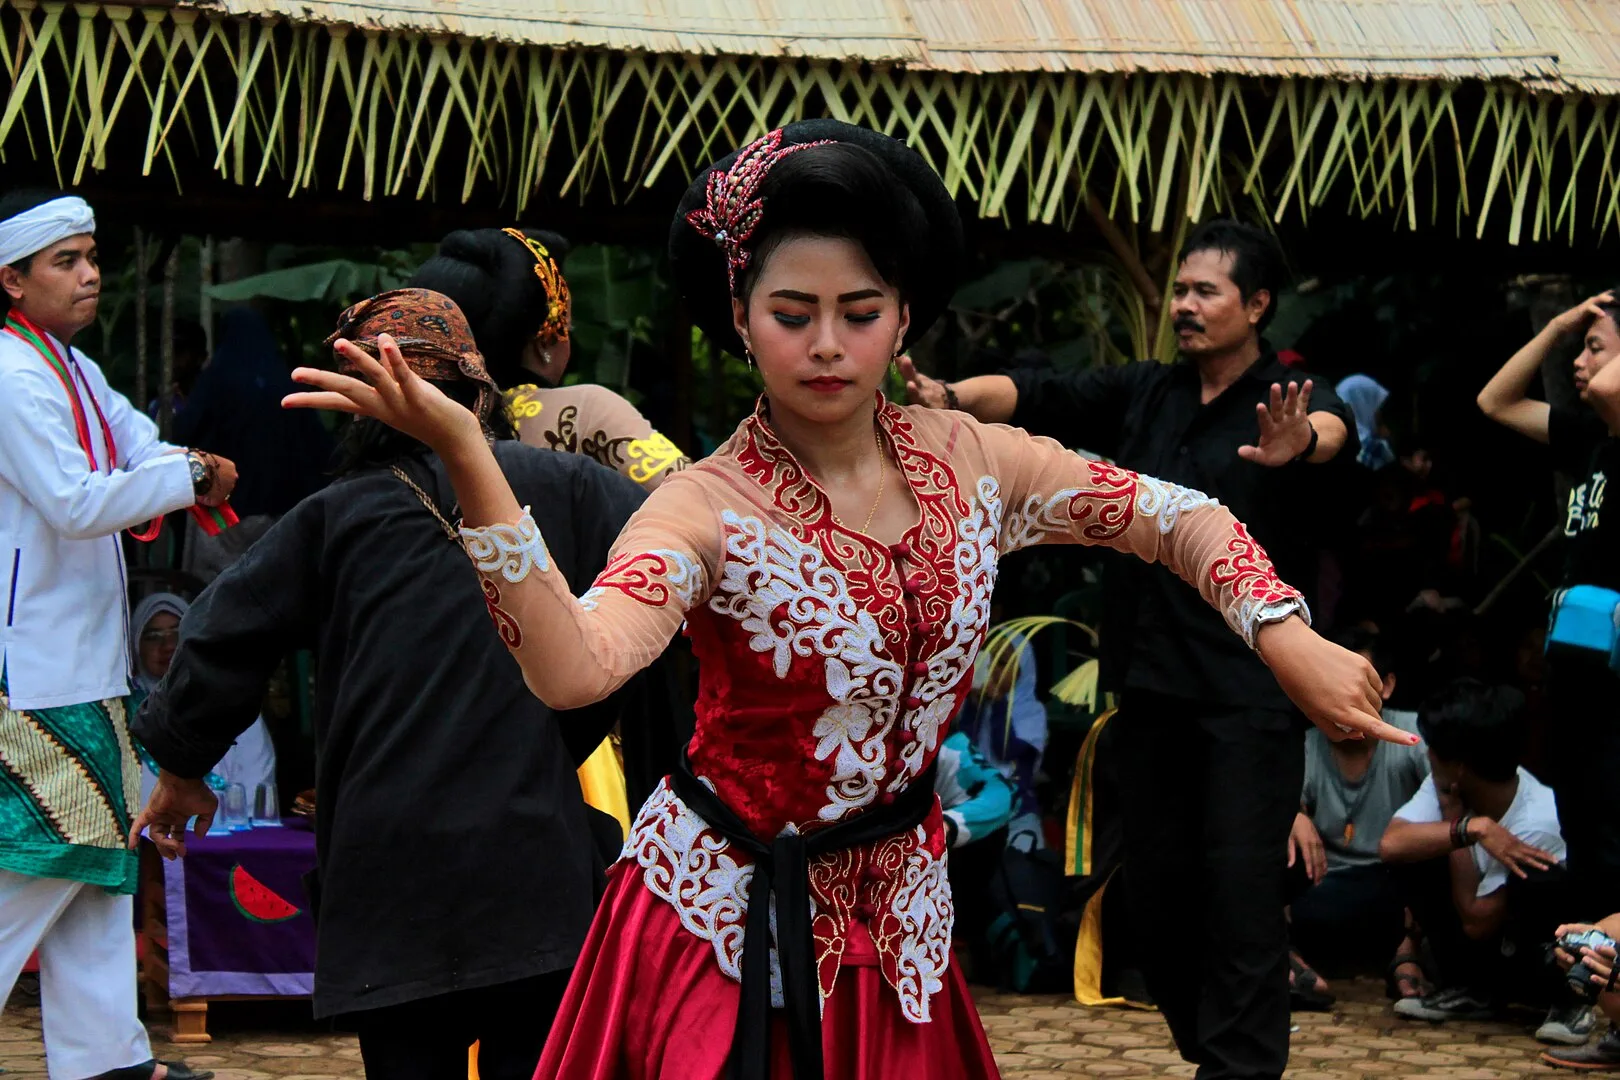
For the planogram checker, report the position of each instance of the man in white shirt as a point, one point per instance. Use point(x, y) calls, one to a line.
point(1483, 857)
point(78, 465)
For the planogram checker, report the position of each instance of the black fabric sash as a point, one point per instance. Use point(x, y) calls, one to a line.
point(782, 869)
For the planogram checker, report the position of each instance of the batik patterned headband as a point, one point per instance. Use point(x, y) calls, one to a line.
point(555, 326)
point(432, 334)
point(732, 208)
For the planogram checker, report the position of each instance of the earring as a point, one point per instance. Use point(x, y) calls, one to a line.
point(748, 355)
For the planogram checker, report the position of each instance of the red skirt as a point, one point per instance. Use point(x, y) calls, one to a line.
point(648, 1002)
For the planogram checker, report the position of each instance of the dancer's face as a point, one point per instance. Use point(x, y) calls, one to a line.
point(823, 326)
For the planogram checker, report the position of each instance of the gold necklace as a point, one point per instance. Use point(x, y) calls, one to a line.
point(883, 476)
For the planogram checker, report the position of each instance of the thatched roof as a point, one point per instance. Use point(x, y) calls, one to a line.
point(1473, 114)
point(1550, 44)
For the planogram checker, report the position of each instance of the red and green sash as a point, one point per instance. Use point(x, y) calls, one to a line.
point(213, 520)
point(21, 326)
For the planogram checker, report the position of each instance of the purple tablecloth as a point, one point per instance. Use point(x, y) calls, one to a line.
point(230, 930)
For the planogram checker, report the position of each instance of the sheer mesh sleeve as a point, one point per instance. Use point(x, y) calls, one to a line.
point(575, 651)
point(1055, 496)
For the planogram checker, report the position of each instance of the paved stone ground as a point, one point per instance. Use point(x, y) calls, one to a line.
point(1035, 1038)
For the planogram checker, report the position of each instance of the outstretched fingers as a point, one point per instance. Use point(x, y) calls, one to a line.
point(1371, 725)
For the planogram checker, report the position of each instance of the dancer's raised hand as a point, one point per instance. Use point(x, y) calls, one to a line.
point(390, 392)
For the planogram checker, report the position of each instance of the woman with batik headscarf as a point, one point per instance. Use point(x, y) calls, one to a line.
point(833, 563)
point(510, 285)
point(457, 871)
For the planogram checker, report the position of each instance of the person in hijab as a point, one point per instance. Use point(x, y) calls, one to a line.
point(510, 284)
point(236, 405)
point(457, 867)
point(1365, 396)
point(154, 635)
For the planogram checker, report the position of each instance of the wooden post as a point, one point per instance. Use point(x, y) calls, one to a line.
point(171, 267)
point(141, 397)
point(205, 303)
point(681, 352)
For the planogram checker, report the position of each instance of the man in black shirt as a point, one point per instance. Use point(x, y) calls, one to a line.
point(1585, 693)
point(1211, 751)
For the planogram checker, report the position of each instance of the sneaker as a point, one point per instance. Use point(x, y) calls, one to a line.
point(1453, 1003)
point(1568, 1025)
point(1601, 1056)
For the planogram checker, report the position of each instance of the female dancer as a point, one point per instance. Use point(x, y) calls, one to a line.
point(833, 562)
point(511, 288)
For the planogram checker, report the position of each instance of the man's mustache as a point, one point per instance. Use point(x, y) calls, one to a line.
point(1187, 322)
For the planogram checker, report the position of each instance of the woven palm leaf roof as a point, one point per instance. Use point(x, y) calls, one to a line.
point(1573, 44)
point(1466, 114)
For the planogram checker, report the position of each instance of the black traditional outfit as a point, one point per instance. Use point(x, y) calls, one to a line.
point(453, 846)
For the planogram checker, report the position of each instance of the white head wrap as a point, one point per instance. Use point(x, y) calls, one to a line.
point(48, 223)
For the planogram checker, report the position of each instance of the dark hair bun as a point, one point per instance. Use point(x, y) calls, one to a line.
point(866, 187)
point(491, 278)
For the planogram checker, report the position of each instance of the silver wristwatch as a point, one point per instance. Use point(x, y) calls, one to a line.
point(202, 478)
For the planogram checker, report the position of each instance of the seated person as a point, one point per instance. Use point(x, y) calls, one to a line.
point(155, 627)
point(1350, 908)
point(1005, 721)
point(1603, 1055)
point(1478, 853)
point(977, 802)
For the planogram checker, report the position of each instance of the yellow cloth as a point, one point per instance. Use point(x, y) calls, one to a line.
point(601, 779)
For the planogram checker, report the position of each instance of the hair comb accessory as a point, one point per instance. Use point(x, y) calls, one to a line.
point(555, 326)
point(733, 207)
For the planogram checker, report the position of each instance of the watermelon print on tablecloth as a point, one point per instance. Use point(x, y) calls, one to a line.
point(257, 901)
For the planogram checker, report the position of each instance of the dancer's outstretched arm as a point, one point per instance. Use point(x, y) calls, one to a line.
point(573, 651)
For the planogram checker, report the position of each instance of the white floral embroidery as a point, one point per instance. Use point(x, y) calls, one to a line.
point(1251, 615)
point(975, 557)
point(509, 550)
point(1039, 517)
point(767, 569)
point(927, 916)
point(686, 864)
point(1165, 501)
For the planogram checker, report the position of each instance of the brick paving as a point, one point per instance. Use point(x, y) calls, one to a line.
point(1035, 1038)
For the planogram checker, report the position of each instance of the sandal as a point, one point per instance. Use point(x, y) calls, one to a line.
point(1306, 990)
point(178, 1070)
point(1399, 985)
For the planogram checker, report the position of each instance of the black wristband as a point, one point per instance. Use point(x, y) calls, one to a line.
point(951, 401)
point(1459, 832)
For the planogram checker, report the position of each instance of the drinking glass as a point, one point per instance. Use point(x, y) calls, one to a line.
point(233, 807)
point(266, 807)
point(219, 826)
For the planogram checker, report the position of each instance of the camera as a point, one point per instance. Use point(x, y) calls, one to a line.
point(1579, 975)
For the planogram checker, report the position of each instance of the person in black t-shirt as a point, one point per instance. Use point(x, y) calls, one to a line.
point(1585, 695)
point(1211, 755)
